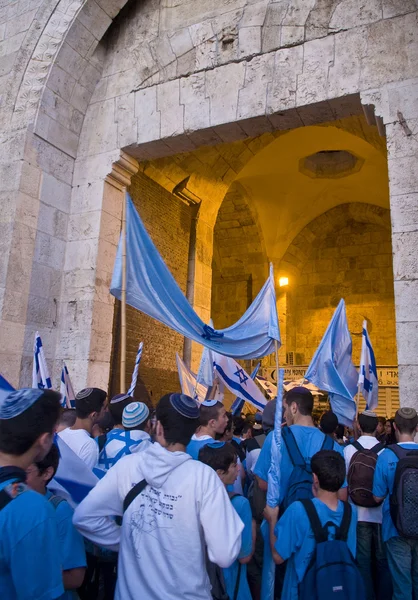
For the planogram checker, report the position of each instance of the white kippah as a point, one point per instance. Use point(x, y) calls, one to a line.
point(134, 414)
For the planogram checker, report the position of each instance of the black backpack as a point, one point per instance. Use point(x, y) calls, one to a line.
point(300, 480)
point(360, 475)
point(403, 501)
point(239, 449)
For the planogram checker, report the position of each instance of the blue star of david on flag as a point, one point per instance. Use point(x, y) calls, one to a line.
point(241, 374)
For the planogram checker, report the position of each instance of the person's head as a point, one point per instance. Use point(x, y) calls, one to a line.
point(177, 419)
point(28, 418)
point(328, 470)
point(90, 404)
point(389, 427)
point(367, 421)
point(67, 419)
point(222, 458)
point(136, 415)
point(247, 429)
point(339, 433)
point(380, 430)
point(117, 405)
point(213, 417)
point(40, 473)
point(328, 422)
point(406, 421)
point(239, 424)
point(103, 424)
point(228, 433)
point(267, 418)
point(298, 402)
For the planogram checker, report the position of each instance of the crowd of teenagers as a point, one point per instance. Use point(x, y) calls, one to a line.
point(180, 511)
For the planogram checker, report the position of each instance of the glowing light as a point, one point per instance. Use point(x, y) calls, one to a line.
point(283, 281)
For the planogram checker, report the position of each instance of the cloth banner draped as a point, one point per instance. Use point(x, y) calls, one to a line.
point(367, 381)
point(188, 383)
point(267, 386)
point(238, 403)
point(332, 370)
point(152, 289)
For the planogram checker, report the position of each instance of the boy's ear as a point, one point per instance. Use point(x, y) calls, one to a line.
point(315, 480)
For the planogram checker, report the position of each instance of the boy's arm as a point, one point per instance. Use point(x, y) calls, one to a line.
point(380, 485)
point(271, 515)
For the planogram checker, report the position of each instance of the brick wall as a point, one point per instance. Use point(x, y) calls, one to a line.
point(167, 220)
point(354, 263)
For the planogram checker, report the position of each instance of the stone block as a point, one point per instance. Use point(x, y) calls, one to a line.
point(196, 105)
point(318, 56)
point(270, 38)
point(106, 256)
point(12, 335)
point(14, 306)
point(405, 256)
point(353, 13)
point(55, 193)
point(61, 83)
point(404, 212)
point(81, 254)
point(70, 61)
point(249, 39)
point(80, 38)
point(95, 19)
point(168, 104)
point(405, 301)
point(276, 12)
point(56, 134)
point(20, 23)
point(344, 71)
point(403, 175)
point(98, 374)
point(394, 8)
point(402, 97)
point(125, 119)
point(53, 161)
point(181, 42)
point(78, 284)
point(407, 385)
point(204, 41)
point(292, 35)
point(149, 118)
point(282, 91)
point(49, 250)
point(407, 338)
point(84, 226)
point(52, 221)
point(111, 7)
point(100, 129)
point(229, 78)
point(401, 143)
point(30, 180)
point(253, 94)
point(254, 14)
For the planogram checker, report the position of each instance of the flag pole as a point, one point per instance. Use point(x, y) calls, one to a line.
point(123, 305)
point(276, 348)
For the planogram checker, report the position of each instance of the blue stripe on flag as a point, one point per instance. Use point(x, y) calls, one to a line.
point(237, 387)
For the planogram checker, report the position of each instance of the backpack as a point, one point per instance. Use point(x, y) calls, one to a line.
point(14, 489)
point(239, 450)
point(332, 571)
point(56, 501)
point(361, 473)
point(403, 501)
point(300, 480)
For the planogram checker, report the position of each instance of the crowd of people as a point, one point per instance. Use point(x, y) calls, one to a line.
point(180, 510)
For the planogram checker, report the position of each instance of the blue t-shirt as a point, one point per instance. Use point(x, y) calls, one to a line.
point(309, 441)
point(71, 542)
point(296, 542)
point(384, 477)
point(195, 445)
point(30, 565)
point(242, 506)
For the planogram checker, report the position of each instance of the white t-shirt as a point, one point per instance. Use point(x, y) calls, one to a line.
point(368, 515)
point(82, 444)
point(164, 532)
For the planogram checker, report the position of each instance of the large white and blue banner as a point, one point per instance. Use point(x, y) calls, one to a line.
point(136, 369)
point(238, 381)
point(188, 383)
point(151, 288)
point(238, 403)
point(66, 389)
point(332, 369)
point(269, 387)
point(40, 373)
point(367, 381)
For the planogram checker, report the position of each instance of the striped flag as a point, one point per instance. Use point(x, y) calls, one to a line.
point(268, 387)
point(66, 389)
point(188, 383)
point(5, 388)
point(40, 374)
point(367, 381)
point(238, 403)
point(237, 381)
point(136, 368)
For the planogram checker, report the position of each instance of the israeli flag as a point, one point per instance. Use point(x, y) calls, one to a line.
point(136, 368)
point(5, 388)
point(332, 370)
point(238, 403)
point(40, 374)
point(229, 372)
point(188, 383)
point(66, 389)
point(268, 387)
point(367, 381)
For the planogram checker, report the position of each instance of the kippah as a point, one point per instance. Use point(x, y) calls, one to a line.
point(134, 414)
point(369, 413)
point(209, 402)
point(216, 444)
point(119, 398)
point(407, 413)
point(299, 390)
point(185, 405)
point(91, 394)
point(15, 403)
point(84, 393)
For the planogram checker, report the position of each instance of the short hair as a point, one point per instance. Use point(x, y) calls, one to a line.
point(328, 422)
point(381, 420)
point(116, 408)
point(85, 404)
point(207, 413)
point(303, 398)
point(367, 423)
point(329, 467)
point(177, 428)
point(51, 460)
point(67, 417)
point(239, 424)
point(339, 432)
point(229, 423)
point(18, 434)
point(406, 420)
point(219, 457)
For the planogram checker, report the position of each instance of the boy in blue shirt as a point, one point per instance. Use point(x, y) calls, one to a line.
point(292, 538)
point(30, 565)
point(213, 422)
point(402, 552)
point(73, 555)
point(222, 457)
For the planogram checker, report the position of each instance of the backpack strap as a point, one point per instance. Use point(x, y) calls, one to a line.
point(133, 493)
point(328, 443)
point(10, 492)
point(314, 520)
point(101, 441)
point(357, 445)
point(56, 501)
point(233, 495)
point(5, 498)
point(378, 447)
point(292, 448)
point(345, 523)
point(237, 582)
point(398, 450)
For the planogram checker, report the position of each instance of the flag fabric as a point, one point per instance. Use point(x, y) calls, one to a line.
point(332, 370)
point(40, 374)
point(238, 381)
point(66, 389)
point(152, 289)
point(136, 368)
point(5, 388)
point(267, 386)
point(367, 381)
point(188, 383)
point(238, 403)
point(205, 374)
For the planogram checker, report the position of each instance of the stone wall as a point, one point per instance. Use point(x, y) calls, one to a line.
point(168, 221)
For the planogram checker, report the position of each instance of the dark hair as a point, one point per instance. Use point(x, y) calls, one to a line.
point(390, 437)
point(51, 460)
point(86, 405)
point(106, 422)
point(116, 409)
point(329, 467)
point(403, 425)
point(207, 413)
point(304, 400)
point(219, 458)
point(328, 422)
point(17, 435)
point(67, 417)
point(177, 429)
point(339, 432)
point(239, 424)
point(367, 423)
point(381, 420)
